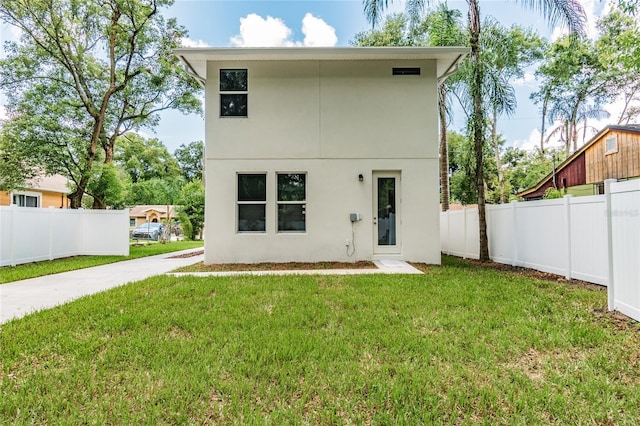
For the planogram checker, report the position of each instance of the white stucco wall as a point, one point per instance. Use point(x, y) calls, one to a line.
point(332, 120)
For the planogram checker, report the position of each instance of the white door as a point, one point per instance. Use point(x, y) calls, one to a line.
point(386, 213)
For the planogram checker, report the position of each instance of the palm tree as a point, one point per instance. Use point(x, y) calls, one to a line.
point(569, 12)
point(443, 28)
point(569, 115)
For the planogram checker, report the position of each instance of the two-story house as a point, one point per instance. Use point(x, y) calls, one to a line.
point(316, 154)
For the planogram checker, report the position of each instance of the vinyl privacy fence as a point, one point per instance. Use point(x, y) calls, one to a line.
point(595, 239)
point(624, 257)
point(34, 234)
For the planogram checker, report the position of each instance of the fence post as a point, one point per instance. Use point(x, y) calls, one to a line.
point(567, 222)
point(448, 232)
point(50, 233)
point(610, 278)
point(464, 233)
point(12, 224)
point(514, 237)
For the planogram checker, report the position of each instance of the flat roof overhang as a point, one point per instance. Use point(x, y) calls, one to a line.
point(195, 58)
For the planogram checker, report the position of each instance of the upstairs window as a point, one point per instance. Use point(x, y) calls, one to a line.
point(252, 202)
point(233, 93)
point(612, 145)
point(292, 202)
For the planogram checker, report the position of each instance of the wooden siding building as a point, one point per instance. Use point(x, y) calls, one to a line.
point(613, 153)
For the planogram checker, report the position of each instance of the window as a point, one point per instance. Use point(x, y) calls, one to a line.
point(132, 221)
point(612, 145)
point(233, 93)
point(252, 202)
point(25, 200)
point(291, 202)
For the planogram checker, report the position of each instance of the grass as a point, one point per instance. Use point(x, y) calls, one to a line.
point(38, 269)
point(459, 345)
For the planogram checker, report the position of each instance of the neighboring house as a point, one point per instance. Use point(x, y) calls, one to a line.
point(43, 191)
point(317, 154)
point(613, 153)
point(139, 215)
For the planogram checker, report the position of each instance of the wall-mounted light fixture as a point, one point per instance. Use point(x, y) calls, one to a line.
point(360, 177)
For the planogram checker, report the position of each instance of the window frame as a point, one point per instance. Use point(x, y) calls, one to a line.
point(222, 93)
point(25, 194)
point(302, 203)
point(606, 145)
point(251, 202)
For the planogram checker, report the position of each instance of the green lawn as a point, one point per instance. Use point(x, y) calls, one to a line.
point(38, 269)
point(459, 345)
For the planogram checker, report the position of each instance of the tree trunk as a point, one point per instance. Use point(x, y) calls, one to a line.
point(478, 125)
point(544, 119)
point(444, 150)
point(75, 198)
point(496, 148)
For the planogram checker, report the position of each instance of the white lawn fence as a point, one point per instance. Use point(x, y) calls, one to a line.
point(624, 256)
point(32, 234)
point(568, 236)
point(564, 236)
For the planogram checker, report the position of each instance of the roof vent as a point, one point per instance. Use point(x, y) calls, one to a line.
point(406, 71)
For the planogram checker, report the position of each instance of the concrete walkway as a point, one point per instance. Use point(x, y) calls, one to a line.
point(21, 298)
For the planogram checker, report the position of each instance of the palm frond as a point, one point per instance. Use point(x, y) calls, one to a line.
point(373, 10)
point(569, 13)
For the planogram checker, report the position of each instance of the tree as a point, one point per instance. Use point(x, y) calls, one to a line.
point(443, 28)
point(84, 73)
point(144, 159)
point(505, 54)
point(191, 208)
point(618, 50)
point(14, 173)
point(190, 158)
point(574, 86)
point(567, 11)
point(394, 32)
point(156, 191)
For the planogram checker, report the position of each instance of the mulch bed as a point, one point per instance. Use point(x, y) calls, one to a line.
point(532, 273)
point(278, 266)
point(184, 256)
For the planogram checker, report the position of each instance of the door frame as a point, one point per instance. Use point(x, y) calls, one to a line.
point(386, 249)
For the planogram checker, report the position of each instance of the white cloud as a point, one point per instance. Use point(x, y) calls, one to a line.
point(3, 113)
point(526, 79)
point(530, 143)
point(317, 32)
point(188, 42)
point(256, 31)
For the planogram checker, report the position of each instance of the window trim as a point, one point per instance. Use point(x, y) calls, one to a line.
point(302, 203)
point(606, 145)
point(222, 93)
point(251, 202)
point(36, 195)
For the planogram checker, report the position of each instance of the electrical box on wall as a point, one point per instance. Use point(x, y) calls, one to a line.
point(354, 217)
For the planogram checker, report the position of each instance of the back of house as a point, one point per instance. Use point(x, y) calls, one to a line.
point(316, 154)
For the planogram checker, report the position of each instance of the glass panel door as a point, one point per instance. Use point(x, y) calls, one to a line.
point(386, 218)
